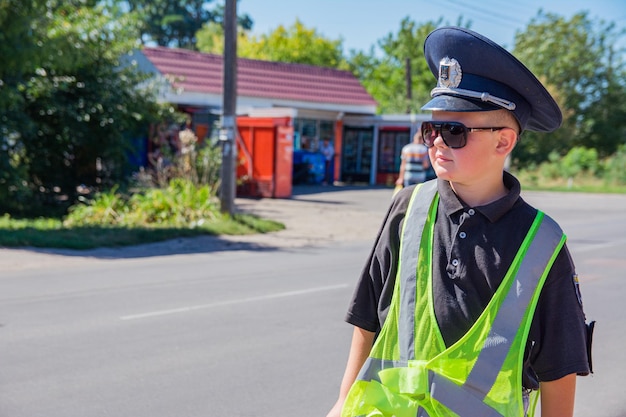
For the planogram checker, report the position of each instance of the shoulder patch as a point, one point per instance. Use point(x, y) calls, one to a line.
point(576, 282)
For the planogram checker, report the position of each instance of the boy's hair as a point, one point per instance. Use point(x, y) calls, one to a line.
point(506, 118)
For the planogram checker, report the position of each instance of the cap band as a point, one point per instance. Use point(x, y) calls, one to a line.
point(506, 104)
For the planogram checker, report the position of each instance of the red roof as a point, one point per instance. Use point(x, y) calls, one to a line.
point(202, 73)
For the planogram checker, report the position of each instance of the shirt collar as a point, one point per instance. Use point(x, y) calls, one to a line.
point(492, 211)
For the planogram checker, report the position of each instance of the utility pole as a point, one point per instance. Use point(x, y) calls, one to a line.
point(409, 84)
point(229, 109)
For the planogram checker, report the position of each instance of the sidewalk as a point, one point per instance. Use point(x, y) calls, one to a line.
point(314, 216)
point(317, 215)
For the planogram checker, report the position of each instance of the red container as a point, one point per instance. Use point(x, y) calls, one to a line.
point(265, 156)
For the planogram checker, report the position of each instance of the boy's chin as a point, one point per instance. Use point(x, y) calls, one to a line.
point(443, 174)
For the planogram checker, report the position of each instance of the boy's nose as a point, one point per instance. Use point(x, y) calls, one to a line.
point(439, 142)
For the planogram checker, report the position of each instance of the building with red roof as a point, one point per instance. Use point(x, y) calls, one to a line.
point(191, 78)
point(284, 113)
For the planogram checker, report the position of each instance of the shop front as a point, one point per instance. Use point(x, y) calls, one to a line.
point(372, 146)
point(391, 139)
point(357, 154)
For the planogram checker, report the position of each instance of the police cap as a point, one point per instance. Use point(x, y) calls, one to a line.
point(475, 74)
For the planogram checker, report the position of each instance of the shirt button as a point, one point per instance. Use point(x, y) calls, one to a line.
point(471, 212)
point(462, 235)
point(455, 262)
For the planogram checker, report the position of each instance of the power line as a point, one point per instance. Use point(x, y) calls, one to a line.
point(486, 15)
point(516, 8)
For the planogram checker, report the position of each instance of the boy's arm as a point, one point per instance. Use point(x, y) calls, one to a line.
point(557, 397)
point(400, 180)
point(362, 342)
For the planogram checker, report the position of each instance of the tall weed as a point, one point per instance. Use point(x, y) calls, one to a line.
point(180, 204)
point(197, 162)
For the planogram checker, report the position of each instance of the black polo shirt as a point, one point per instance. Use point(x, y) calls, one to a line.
point(472, 250)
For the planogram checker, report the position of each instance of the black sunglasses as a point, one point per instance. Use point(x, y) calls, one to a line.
point(454, 134)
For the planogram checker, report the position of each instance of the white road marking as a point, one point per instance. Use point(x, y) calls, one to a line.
point(231, 302)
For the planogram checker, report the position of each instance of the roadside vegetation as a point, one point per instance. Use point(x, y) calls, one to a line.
point(579, 170)
point(178, 198)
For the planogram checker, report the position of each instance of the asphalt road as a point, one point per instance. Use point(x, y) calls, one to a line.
point(246, 326)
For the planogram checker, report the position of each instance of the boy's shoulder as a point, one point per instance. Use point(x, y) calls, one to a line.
point(402, 198)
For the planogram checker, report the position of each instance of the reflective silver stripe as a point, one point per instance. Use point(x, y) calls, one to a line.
point(422, 413)
point(511, 313)
point(411, 239)
point(371, 367)
point(458, 399)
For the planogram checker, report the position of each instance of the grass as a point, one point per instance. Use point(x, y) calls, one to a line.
point(51, 233)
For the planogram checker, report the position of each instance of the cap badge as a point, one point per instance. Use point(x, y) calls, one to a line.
point(450, 73)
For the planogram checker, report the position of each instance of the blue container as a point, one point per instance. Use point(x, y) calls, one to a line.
point(308, 167)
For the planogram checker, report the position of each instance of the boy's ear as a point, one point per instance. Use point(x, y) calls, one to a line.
point(507, 139)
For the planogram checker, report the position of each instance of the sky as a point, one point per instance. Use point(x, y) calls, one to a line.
point(361, 23)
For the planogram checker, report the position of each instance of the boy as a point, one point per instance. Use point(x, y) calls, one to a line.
point(469, 301)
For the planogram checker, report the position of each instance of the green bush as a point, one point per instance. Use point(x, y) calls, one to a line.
point(580, 160)
point(180, 204)
point(550, 170)
point(615, 167)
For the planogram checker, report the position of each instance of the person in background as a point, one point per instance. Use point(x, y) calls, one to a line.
point(469, 302)
point(415, 162)
point(328, 150)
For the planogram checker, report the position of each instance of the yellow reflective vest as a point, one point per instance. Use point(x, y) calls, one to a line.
point(410, 372)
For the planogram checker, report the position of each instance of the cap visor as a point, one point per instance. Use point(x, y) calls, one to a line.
point(452, 103)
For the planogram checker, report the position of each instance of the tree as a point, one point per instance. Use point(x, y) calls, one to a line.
point(20, 22)
point(176, 22)
point(296, 44)
point(577, 60)
point(73, 104)
point(385, 77)
point(210, 39)
point(382, 78)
